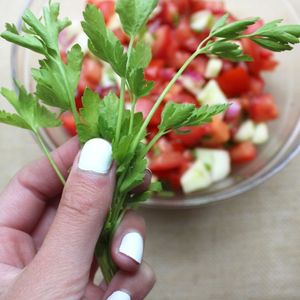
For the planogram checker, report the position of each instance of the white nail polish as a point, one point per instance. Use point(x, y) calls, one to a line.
point(119, 295)
point(132, 245)
point(96, 156)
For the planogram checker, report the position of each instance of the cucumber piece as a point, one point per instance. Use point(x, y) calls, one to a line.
point(261, 134)
point(197, 177)
point(213, 68)
point(201, 20)
point(212, 94)
point(217, 162)
point(245, 132)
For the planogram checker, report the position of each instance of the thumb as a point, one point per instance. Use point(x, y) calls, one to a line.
point(83, 208)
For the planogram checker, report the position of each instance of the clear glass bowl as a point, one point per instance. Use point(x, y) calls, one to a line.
point(285, 133)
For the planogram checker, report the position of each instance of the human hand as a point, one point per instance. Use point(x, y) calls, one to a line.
point(48, 235)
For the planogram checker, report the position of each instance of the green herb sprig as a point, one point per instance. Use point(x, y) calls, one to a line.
point(108, 118)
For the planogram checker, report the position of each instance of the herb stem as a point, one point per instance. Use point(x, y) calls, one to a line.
point(122, 93)
point(133, 103)
point(50, 158)
point(154, 141)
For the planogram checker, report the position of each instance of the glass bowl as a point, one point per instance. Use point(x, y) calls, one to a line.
point(284, 143)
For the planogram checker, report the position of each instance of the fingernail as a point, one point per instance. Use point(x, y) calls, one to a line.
point(96, 156)
point(132, 245)
point(119, 295)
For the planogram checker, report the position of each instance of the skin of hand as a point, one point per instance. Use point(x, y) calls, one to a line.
point(48, 233)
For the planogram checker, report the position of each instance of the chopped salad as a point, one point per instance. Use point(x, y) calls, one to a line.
point(205, 154)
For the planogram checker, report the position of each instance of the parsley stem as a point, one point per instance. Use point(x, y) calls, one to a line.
point(121, 109)
point(122, 94)
point(154, 141)
point(50, 158)
point(167, 89)
point(133, 103)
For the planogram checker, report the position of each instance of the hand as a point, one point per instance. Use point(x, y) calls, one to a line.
point(48, 235)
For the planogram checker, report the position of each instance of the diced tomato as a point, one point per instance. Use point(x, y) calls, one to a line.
point(152, 72)
point(183, 31)
point(92, 70)
point(178, 59)
point(78, 101)
point(170, 13)
point(106, 6)
point(193, 138)
point(243, 153)
point(257, 85)
point(166, 161)
point(184, 98)
point(162, 39)
point(69, 124)
point(122, 36)
point(144, 106)
point(199, 64)
point(183, 6)
point(216, 6)
point(220, 133)
point(234, 82)
point(63, 56)
point(263, 108)
point(174, 92)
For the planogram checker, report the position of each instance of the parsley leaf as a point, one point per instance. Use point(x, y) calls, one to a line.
point(88, 128)
point(138, 85)
point(177, 115)
point(30, 114)
point(134, 14)
point(102, 42)
point(54, 88)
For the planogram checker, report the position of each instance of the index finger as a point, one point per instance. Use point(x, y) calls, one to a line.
point(24, 200)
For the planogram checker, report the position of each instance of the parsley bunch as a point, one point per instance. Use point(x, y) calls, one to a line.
point(56, 84)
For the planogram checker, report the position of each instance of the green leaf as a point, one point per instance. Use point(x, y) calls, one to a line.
point(141, 56)
point(134, 14)
point(102, 42)
point(220, 23)
point(271, 45)
point(88, 129)
point(30, 42)
point(138, 85)
point(13, 120)
point(177, 115)
point(233, 30)
point(28, 109)
point(57, 82)
point(108, 117)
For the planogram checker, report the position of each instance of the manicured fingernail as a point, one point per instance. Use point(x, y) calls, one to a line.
point(119, 295)
point(96, 156)
point(132, 245)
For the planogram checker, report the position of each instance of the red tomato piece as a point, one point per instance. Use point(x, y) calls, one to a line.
point(183, 6)
point(106, 6)
point(162, 40)
point(263, 108)
point(193, 138)
point(152, 72)
point(183, 31)
point(243, 153)
point(92, 70)
point(257, 86)
point(69, 124)
point(178, 59)
point(170, 13)
point(144, 106)
point(220, 133)
point(122, 36)
point(216, 6)
point(234, 82)
point(165, 161)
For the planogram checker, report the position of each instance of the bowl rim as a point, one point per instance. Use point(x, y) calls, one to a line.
point(200, 200)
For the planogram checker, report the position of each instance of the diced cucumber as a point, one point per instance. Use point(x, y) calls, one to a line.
point(114, 23)
point(212, 94)
point(245, 132)
point(217, 162)
point(196, 178)
point(191, 85)
point(109, 77)
point(261, 134)
point(213, 68)
point(201, 20)
point(82, 40)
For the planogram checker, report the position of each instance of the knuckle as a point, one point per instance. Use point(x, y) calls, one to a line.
point(148, 274)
